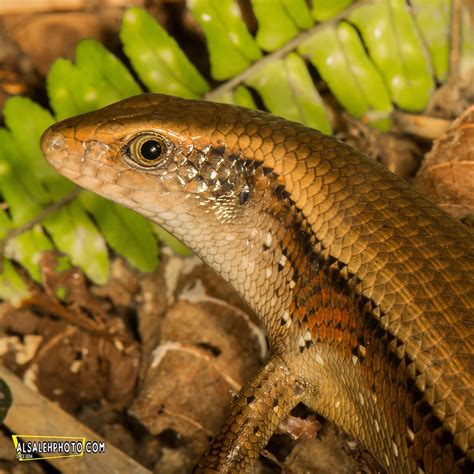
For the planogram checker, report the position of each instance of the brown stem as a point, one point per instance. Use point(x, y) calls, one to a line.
point(455, 50)
point(422, 126)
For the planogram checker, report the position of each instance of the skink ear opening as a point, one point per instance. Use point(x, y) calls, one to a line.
point(244, 195)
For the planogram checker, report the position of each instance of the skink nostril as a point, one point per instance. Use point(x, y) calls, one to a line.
point(57, 143)
point(53, 141)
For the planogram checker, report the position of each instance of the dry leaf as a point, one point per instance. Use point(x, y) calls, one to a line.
point(447, 174)
point(208, 350)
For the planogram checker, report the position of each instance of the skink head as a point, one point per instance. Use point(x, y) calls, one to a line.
point(162, 156)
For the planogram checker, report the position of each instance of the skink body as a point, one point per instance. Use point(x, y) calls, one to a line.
point(365, 288)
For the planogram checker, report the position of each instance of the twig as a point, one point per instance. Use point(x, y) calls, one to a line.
point(280, 53)
point(46, 212)
point(48, 304)
point(455, 50)
point(422, 126)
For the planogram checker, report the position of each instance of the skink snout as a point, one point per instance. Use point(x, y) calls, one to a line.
point(54, 145)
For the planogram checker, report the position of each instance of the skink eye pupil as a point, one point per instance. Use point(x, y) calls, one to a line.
point(151, 150)
point(148, 150)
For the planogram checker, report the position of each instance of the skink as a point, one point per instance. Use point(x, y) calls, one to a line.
point(365, 288)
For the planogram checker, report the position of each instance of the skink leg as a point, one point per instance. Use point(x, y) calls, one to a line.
point(255, 414)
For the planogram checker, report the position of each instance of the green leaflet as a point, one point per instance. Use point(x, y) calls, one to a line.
point(27, 121)
point(279, 21)
point(326, 9)
point(433, 18)
point(97, 79)
point(5, 223)
point(231, 47)
point(394, 45)
point(12, 287)
point(172, 242)
point(76, 235)
point(239, 96)
point(26, 248)
point(19, 187)
point(62, 82)
point(157, 58)
point(337, 52)
point(126, 232)
point(23, 206)
point(19, 181)
point(287, 90)
point(61, 266)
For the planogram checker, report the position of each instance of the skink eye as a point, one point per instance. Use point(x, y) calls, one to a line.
point(148, 150)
